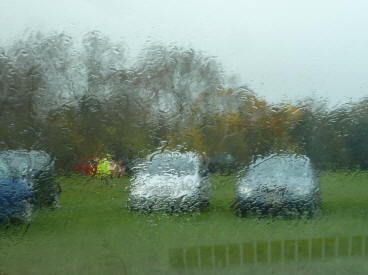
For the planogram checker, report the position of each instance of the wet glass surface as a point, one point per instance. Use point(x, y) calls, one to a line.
point(182, 137)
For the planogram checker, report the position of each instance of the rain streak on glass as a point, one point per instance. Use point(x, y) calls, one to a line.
point(179, 137)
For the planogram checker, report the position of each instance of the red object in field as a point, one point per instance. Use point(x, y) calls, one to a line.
point(93, 165)
point(87, 167)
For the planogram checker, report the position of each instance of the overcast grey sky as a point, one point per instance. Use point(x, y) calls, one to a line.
point(283, 49)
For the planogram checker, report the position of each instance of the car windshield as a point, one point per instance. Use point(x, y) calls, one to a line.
point(289, 170)
point(173, 164)
point(183, 137)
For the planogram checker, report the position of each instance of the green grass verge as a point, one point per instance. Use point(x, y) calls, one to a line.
point(94, 233)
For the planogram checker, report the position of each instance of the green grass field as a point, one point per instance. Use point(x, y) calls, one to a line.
point(94, 233)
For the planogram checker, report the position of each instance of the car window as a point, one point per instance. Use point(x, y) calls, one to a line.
point(173, 162)
point(183, 137)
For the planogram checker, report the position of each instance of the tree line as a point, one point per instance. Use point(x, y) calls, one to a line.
point(81, 98)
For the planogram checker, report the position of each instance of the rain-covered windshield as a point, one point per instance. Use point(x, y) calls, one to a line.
point(173, 163)
point(283, 170)
point(183, 137)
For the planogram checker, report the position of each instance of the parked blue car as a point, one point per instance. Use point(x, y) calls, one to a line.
point(27, 183)
point(15, 198)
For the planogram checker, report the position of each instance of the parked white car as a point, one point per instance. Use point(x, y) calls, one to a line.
point(170, 181)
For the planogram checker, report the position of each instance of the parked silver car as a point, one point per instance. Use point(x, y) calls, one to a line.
point(278, 185)
point(170, 181)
